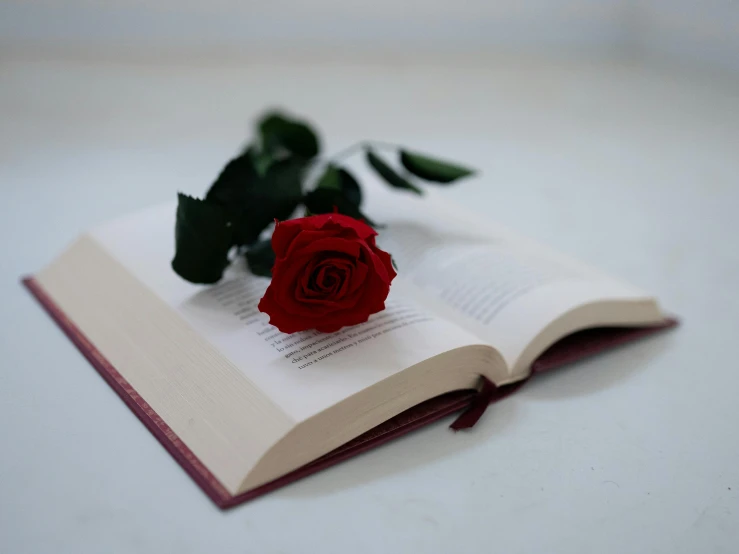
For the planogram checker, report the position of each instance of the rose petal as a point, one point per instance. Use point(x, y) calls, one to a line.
point(283, 235)
point(387, 261)
point(308, 236)
point(280, 318)
point(328, 274)
point(379, 266)
point(335, 245)
point(323, 221)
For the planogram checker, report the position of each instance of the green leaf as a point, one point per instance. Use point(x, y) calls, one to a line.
point(252, 202)
point(203, 237)
point(261, 162)
point(389, 174)
point(279, 131)
point(330, 179)
point(279, 192)
point(325, 201)
point(338, 179)
point(336, 189)
point(350, 187)
point(261, 258)
point(231, 188)
point(274, 196)
point(432, 169)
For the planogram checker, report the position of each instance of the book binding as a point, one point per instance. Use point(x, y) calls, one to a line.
point(474, 402)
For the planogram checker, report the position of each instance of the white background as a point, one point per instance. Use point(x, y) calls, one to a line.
point(623, 158)
point(698, 31)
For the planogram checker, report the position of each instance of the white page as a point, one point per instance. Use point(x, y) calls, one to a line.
point(500, 286)
point(303, 373)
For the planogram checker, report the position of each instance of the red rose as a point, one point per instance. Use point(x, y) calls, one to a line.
point(328, 274)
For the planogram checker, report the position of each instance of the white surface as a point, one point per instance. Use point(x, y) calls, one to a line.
point(634, 170)
point(702, 31)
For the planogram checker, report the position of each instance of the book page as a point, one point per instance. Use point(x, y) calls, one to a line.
point(502, 287)
point(303, 373)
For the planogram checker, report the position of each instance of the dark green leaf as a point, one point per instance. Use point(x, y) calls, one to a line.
point(261, 258)
point(231, 188)
point(350, 187)
point(279, 131)
point(431, 169)
point(203, 238)
point(274, 196)
point(389, 174)
point(338, 179)
point(261, 162)
point(279, 192)
point(251, 201)
point(330, 179)
point(326, 201)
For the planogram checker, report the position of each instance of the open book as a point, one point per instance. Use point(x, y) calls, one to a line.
point(242, 405)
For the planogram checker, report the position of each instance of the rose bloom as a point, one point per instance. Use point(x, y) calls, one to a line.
point(328, 274)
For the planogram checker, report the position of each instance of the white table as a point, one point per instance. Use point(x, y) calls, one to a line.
point(633, 169)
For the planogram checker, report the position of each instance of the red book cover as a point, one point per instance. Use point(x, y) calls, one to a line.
point(471, 402)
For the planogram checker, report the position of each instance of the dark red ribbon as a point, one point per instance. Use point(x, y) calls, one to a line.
point(486, 394)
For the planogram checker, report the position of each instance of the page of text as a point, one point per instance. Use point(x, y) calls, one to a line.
point(304, 373)
point(501, 287)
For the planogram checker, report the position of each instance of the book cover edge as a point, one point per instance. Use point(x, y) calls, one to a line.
point(192, 465)
point(196, 469)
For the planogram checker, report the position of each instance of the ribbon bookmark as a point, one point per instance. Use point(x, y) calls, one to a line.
point(486, 394)
point(479, 403)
